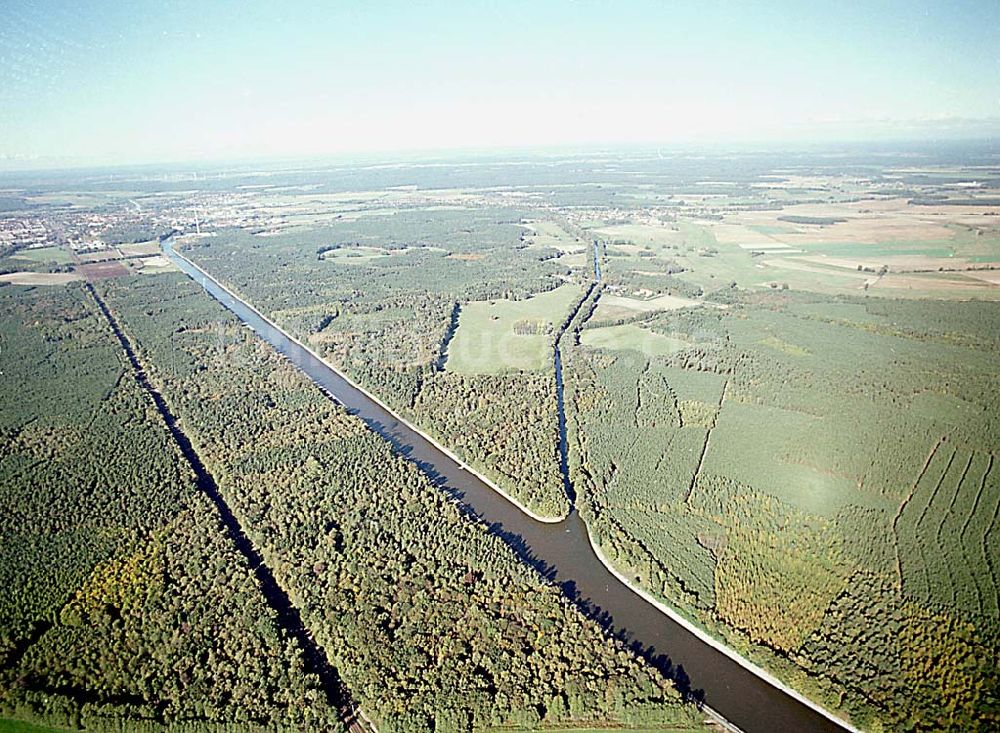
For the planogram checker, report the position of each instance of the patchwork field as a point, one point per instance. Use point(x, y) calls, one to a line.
point(887, 245)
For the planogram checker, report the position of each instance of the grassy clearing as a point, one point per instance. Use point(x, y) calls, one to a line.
point(783, 346)
point(39, 278)
point(656, 236)
point(630, 336)
point(155, 265)
point(67, 198)
point(550, 234)
point(770, 230)
point(611, 307)
point(359, 255)
point(140, 248)
point(19, 726)
point(44, 254)
point(498, 335)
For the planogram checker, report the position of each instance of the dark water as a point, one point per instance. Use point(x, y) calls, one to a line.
point(563, 440)
point(563, 552)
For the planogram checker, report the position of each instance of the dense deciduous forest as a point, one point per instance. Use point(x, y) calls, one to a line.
point(430, 619)
point(472, 414)
point(123, 603)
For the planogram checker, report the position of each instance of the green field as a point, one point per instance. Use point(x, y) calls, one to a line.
point(550, 234)
point(41, 255)
point(755, 445)
point(658, 237)
point(488, 340)
point(630, 336)
point(17, 726)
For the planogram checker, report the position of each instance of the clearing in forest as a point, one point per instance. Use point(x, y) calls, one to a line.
point(611, 307)
point(39, 278)
point(549, 234)
point(499, 335)
point(44, 254)
point(631, 336)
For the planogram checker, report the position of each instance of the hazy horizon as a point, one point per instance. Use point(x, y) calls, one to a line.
point(154, 83)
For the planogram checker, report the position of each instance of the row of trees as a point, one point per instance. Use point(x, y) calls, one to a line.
point(946, 550)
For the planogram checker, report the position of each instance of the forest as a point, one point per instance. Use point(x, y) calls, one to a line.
point(388, 335)
point(430, 619)
point(781, 412)
point(807, 478)
point(733, 456)
point(123, 602)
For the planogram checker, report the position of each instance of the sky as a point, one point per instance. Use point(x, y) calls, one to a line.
point(143, 81)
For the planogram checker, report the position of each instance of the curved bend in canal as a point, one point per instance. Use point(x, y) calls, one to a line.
point(562, 550)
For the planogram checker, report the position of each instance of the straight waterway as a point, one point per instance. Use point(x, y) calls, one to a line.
point(562, 551)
